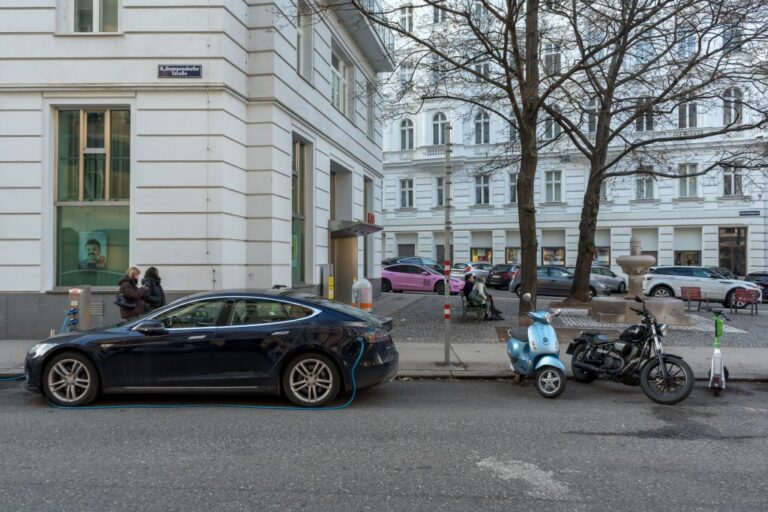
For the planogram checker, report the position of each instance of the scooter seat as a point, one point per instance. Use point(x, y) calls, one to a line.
point(519, 333)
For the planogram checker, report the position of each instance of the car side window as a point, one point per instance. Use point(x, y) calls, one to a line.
point(542, 272)
point(700, 272)
point(403, 269)
point(263, 311)
point(415, 270)
point(202, 313)
point(558, 272)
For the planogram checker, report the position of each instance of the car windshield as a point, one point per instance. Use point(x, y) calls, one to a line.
point(459, 265)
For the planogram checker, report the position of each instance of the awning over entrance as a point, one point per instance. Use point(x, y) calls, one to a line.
point(352, 228)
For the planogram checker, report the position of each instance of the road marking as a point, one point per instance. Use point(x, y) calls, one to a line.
point(542, 483)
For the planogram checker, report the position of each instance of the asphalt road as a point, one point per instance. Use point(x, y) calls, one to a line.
point(409, 445)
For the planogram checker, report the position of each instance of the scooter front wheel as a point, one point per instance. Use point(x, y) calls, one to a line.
point(550, 381)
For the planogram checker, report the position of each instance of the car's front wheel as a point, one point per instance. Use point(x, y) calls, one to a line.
point(622, 288)
point(662, 292)
point(386, 286)
point(311, 380)
point(70, 379)
point(440, 288)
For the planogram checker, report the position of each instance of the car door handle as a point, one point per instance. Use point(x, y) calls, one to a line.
point(197, 337)
point(279, 333)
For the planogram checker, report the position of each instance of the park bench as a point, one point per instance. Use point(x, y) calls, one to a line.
point(468, 308)
point(693, 294)
point(742, 298)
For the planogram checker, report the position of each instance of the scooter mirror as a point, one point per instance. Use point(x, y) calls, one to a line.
point(527, 297)
point(555, 312)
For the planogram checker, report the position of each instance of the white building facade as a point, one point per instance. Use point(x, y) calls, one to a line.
point(215, 140)
point(717, 219)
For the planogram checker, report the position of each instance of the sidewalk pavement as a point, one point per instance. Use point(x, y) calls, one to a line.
point(480, 360)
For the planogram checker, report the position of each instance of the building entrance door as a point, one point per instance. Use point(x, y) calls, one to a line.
point(733, 250)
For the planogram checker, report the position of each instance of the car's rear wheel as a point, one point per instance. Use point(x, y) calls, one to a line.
point(70, 379)
point(592, 292)
point(622, 288)
point(662, 292)
point(517, 291)
point(311, 380)
point(440, 288)
point(386, 286)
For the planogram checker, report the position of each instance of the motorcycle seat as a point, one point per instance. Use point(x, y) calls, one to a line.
point(519, 333)
point(595, 338)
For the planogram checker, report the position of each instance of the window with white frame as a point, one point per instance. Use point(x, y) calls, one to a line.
point(482, 70)
point(644, 115)
point(482, 128)
point(551, 59)
point(591, 112)
point(439, 123)
point(438, 15)
point(551, 128)
point(406, 70)
point(553, 187)
point(732, 179)
point(406, 18)
point(644, 50)
point(603, 191)
point(513, 187)
point(595, 42)
point(732, 106)
point(406, 193)
point(439, 191)
point(687, 116)
point(406, 134)
point(304, 42)
point(644, 184)
point(733, 34)
point(483, 189)
point(686, 180)
point(95, 15)
point(341, 72)
point(685, 42)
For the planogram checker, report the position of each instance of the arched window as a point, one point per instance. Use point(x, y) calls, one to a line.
point(732, 107)
point(406, 134)
point(482, 128)
point(439, 122)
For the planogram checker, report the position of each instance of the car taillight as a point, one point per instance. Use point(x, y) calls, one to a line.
point(376, 336)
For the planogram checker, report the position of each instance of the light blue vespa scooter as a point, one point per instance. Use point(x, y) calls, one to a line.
point(534, 352)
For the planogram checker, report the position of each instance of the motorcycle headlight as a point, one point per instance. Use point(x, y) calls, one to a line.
point(663, 329)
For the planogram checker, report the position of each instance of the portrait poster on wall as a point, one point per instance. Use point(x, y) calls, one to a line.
point(92, 250)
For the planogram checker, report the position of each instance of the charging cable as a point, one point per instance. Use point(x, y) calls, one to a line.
point(229, 406)
point(12, 379)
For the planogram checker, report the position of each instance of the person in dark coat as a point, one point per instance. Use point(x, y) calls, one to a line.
point(155, 297)
point(469, 283)
point(130, 290)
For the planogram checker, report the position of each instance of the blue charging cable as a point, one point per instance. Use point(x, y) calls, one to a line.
point(11, 379)
point(228, 406)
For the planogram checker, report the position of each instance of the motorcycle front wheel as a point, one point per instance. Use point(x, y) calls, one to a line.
point(550, 382)
point(675, 388)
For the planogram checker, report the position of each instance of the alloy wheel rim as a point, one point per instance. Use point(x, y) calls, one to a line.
point(69, 380)
point(549, 381)
point(311, 380)
point(661, 292)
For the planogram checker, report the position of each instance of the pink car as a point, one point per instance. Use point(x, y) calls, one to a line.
point(416, 278)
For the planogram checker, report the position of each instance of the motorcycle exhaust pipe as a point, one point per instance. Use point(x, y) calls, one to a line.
point(581, 365)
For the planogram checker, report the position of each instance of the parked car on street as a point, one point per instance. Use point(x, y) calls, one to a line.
point(501, 275)
point(667, 282)
point(265, 342)
point(608, 277)
point(478, 268)
point(760, 279)
point(413, 260)
point(416, 278)
point(557, 281)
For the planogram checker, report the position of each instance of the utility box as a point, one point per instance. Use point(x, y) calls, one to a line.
point(328, 280)
point(79, 311)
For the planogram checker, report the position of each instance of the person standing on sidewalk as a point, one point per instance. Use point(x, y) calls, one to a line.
point(131, 293)
point(155, 297)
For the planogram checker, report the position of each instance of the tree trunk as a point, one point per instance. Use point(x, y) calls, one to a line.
point(526, 211)
point(580, 287)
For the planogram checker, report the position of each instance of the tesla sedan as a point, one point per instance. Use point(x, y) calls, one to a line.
point(266, 342)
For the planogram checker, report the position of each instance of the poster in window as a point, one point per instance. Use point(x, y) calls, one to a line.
point(92, 250)
point(553, 255)
point(481, 255)
point(512, 255)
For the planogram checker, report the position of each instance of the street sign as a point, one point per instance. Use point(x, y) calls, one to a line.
point(179, 71)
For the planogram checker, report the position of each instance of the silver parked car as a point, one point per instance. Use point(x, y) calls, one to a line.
point(557, 281)
point(477, 268)
point(608, 277)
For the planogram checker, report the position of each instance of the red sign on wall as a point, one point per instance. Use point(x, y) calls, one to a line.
point(371, 218)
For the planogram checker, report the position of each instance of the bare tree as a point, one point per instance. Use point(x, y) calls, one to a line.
point(648, 79)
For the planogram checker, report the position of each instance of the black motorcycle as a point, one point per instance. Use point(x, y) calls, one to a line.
point(637, 357)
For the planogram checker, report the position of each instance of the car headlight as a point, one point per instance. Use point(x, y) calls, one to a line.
point(40, 349)
point(663, 329)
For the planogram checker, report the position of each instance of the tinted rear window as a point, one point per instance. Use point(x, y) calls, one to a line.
point(502, 268)
point(344, 308)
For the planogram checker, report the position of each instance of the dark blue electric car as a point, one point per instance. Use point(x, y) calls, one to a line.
point(270, 342)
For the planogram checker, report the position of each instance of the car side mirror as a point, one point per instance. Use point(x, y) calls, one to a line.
point(151, 327)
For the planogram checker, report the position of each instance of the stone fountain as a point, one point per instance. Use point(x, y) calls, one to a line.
point(617, 309)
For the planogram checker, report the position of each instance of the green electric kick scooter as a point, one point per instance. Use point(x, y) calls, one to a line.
point(718, 374)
